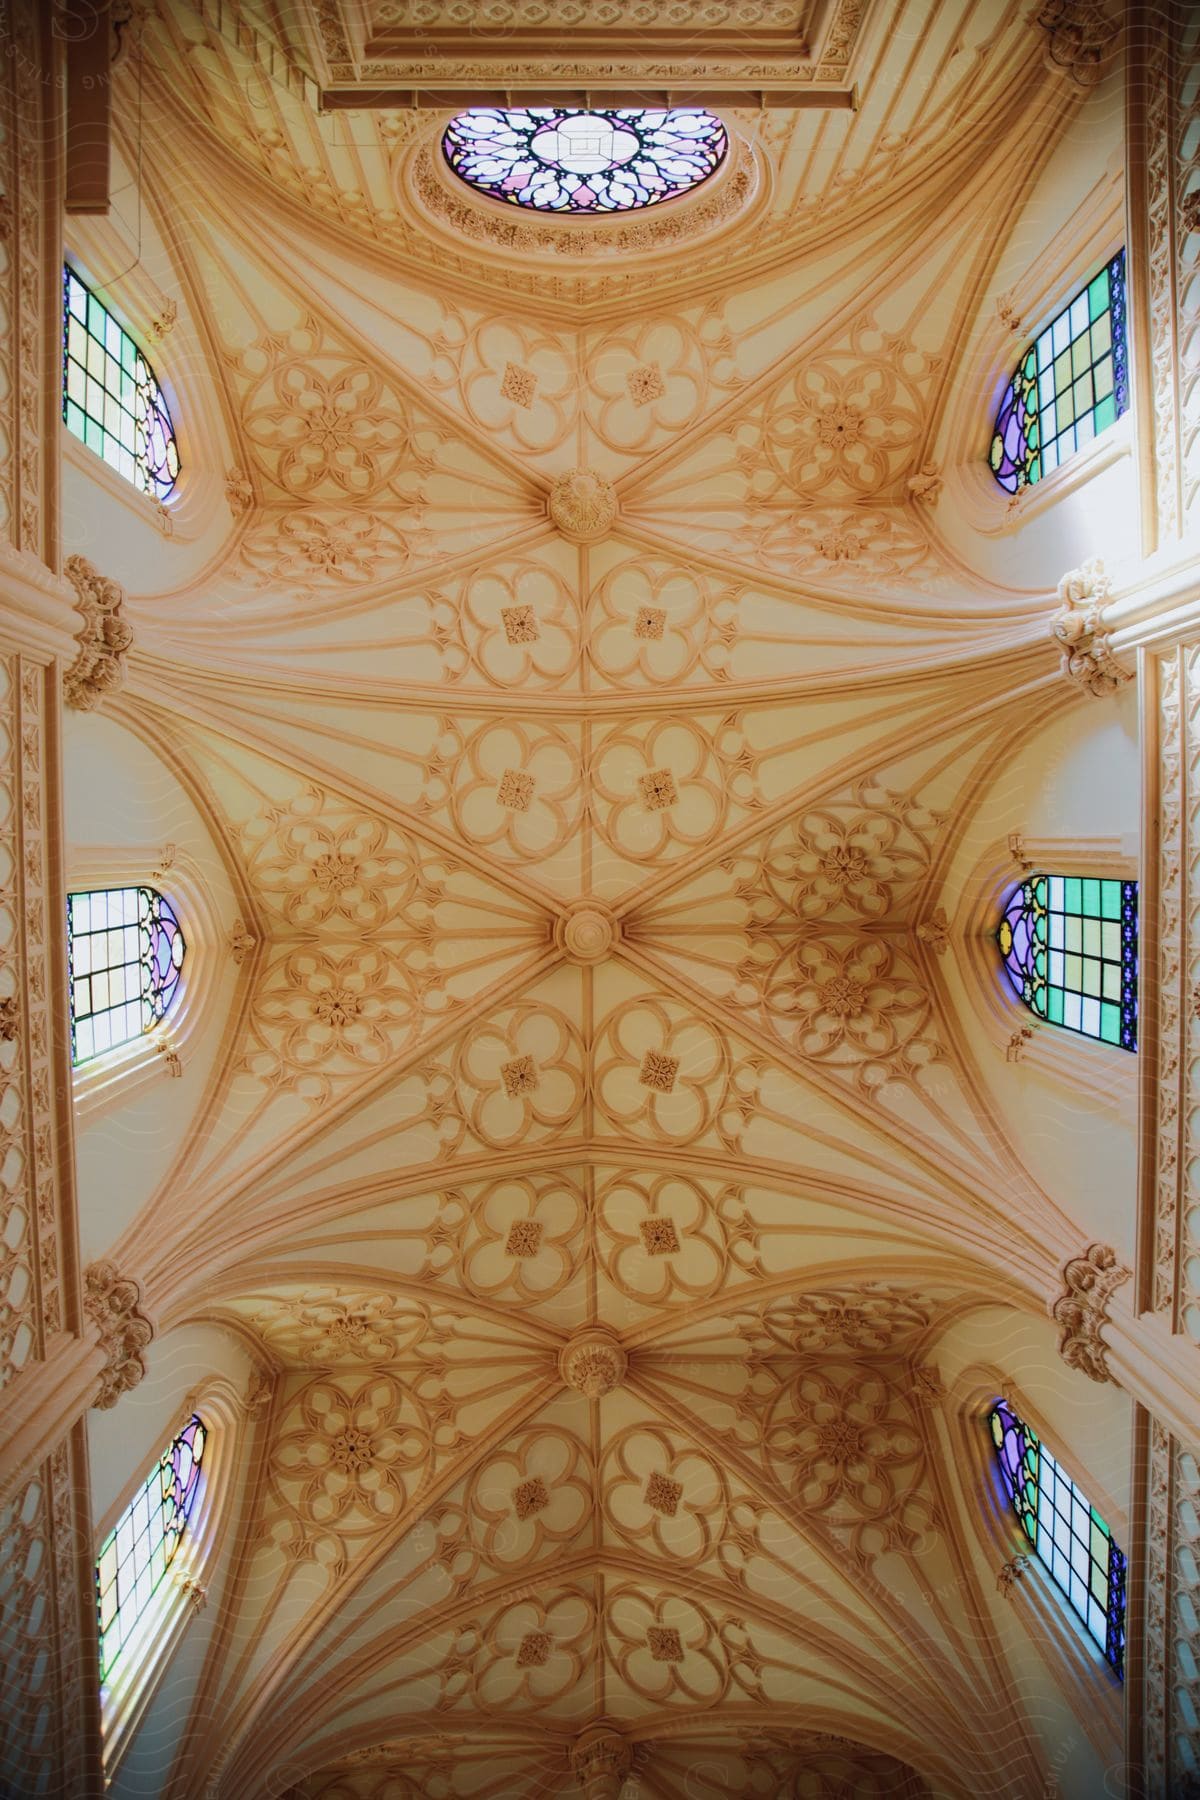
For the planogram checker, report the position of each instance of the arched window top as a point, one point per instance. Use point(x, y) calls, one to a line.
point(111, 399)
point(1065, 1531)
point(125, 951)
point(140, 1549)
point(565, 160)
point(1069, 946)
point(1071, 384)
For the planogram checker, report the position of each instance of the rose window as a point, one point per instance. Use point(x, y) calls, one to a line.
point(557, 159)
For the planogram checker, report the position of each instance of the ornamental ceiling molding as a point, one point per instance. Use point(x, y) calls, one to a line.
point(760, 1755)
point(727, 1213)
point(700, 957)
point(391, 1068)
point(537, 1645)
point(992, 116)
point(746, 43)
point(735, 194)
point(988, 352)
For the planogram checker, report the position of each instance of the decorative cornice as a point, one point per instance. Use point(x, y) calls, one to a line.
point(1082, 1309)
point(113, 1303)
point(1077, 629)
point(483, 221)
point(99, 668)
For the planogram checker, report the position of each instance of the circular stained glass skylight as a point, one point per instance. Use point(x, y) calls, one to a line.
point(559, 159)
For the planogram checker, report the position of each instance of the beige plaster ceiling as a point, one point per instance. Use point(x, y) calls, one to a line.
point(589, 833)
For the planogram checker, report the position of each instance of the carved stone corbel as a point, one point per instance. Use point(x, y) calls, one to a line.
point(600, 1761)
point(927, 1385)
point(1080, 38)
point(260, 1391)
point(113, 1303)
point(1009, 1573)
point(239, 492)
point(241, 942)
point(1082, 1309)
point(1016, 847)
point(195, 1590)
point(99, 668)
point(926, 484)
point(935, 931)
point(1079, 633)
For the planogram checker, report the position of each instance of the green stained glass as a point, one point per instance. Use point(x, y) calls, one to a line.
point(1069, 947)
point(141, 1547)
point(124, 955)
point(1064, 1530)
point(111, 400)
point(1072, 383)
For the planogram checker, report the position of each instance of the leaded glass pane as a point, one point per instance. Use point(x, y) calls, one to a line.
point(138, 1552)
point(560, 159)
point(111, 400)
point(1070, 950)
point(1064, 1530)
point(1071, 383)
point(124, 955)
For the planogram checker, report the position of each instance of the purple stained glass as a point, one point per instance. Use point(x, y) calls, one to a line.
point(125, 952)
point(111, 399)
point(1063, 1529)
point(1071, 384)
point(559, 159)
point(140, 1549)
point(1069, 946)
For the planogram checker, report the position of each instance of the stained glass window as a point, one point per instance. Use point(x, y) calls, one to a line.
point(1070, 950)
point(137, 1554)
point(1065, 1531)
point(111, 400)
point(557, 159)
point(124, 952)
point(1070, 385)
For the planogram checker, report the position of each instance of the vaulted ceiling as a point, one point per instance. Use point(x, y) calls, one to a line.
point(587, 707)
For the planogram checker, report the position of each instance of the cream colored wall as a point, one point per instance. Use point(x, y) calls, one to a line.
point(118, 792)
point(138, 272)
point(1075, 779)
point(1088, 1426)
point(1072, 221)
point(129, 1439)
